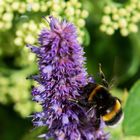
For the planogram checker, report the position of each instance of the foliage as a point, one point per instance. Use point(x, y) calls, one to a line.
point(132, 114)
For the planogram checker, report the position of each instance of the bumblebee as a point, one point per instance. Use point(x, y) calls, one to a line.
point(98, 96)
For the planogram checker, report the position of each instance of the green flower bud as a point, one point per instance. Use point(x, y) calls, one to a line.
point(57, 7)
point(115, 16)
point(2, 3)
point(63, 4)
point(32, 26)
point(103, 28)
point(49, 3)
point(114, 9)
point(133, 5)
point(25, 25)
point(78, 12)
point(42, 25)
point(133, 28)
point(43, 8)
point(133, 1)
point(9, 1)
point(30, 39)
point(8, 25)
point(1, 9)
point(80, 40)
point(122, 12)
point(106, 20)
point(107, 10)
point(78, 5)
point(124, 32)
point(136, 17)
point(122, 23)
point(73, 2)
point(19, 33)
point(7, 16)
point(84, 14)
point(35, 7)
point(15, 5)
point(1, 25)
point(81, 23)
point(115, 25)
point(70, 10)
point(138, 5)
point(31, 57)
point(18, 41)
point(22, 7)
point(110, 31)
point(54, 13)
point(26, 108)
point(71, 19)
point(129, 9)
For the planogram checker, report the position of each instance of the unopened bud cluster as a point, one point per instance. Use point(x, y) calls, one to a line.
point(121, 17)
point(11, 89)
point(11, 9)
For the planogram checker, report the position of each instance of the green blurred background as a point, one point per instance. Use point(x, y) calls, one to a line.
point(109, 32)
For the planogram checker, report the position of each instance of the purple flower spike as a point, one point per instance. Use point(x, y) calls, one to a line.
point(61, 76)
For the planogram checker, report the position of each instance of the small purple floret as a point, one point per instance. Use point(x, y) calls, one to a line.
point(61, 76)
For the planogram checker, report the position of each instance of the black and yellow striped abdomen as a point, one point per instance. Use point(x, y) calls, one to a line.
point(106, 105)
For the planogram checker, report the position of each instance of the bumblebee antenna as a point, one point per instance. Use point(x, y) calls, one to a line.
point(101, 74)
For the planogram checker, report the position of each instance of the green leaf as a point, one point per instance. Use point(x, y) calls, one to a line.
point(131, 124)
point(87, 38)
point(34, 134)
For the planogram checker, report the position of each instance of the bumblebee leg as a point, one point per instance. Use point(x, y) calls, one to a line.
point(73, 100)
point(81, 102)
point(101, 74)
